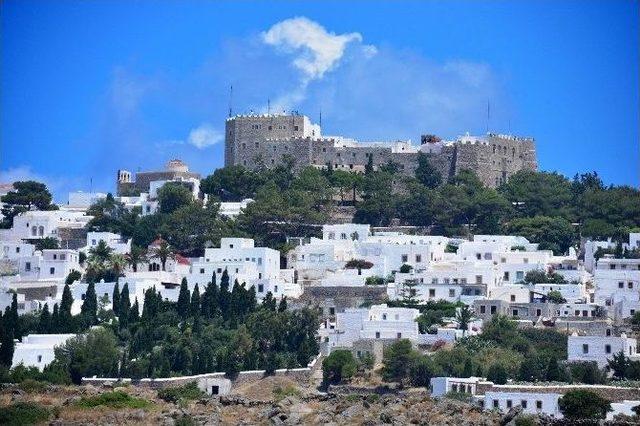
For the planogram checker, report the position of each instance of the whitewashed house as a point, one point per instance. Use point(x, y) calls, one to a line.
point(41, 224)
point(37, 350)
point(600, 348)
point(118, 244)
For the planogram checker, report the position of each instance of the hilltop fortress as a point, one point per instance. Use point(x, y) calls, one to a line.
point(267, 140)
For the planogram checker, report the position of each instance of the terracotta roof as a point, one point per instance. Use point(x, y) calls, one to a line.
point(182, 260)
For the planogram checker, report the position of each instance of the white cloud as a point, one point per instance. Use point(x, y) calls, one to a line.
point(204, 136)
point(58, 186)
point(317, 51)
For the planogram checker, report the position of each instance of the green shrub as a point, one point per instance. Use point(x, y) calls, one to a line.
point(338, 366)
point(187, 392)
point(583, 404)
point(281, 393)
point(526, 420)
point(30, 385)
point(23, 413)
point(115, 399)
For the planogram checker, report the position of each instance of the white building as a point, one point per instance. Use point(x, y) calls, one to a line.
point(233, 208)
point(41, 224)
point(257, 266)
point(37, 350)
point(83, 200)
point(118, 244)
point(49, 264)
point(376, 322)
point(531, 402)
point(600, 348)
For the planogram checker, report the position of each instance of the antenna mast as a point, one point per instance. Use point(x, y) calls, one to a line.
point(231, 101)
point(488, 114)
point(320, 118)
point(268, 106)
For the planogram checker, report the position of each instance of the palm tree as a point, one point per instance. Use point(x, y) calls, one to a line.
point(94, 270)
point(101, 252)
point(463, 317)
point(163, 252)
point(117, 263)
point(136, 256)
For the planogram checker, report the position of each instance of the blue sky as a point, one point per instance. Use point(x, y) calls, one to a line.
point(88, 87)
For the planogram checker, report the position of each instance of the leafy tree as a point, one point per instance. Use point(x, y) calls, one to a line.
point(26, 195)
point(583, 404)
point(552, 233)
point(397, 360)
point(421, 370)
point(539, 276)
point(619, 365)
point(73, 276)
point(172, 196)
point(497, 374)
point(231, 183)
point(555, 296)
point(426, 173)
point(190, 228)
point(80, 357)
point(338, 366)
point(539, 193)
point(47, 243)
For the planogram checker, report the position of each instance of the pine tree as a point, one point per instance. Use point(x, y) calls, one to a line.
point(283, 304)
point(44, 323)
point(183, 300)
point(195, 301)
point(90, 304)
point(115, 299)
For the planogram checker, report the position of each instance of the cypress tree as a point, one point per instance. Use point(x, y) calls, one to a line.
point(251, 300)
point(90, 304)
point(224, 296)
point(268, 302)
point(283, 304)
point(125, 302)
point(65, 320)
point(6, 348)
point(115, 299)
point(134, 313)
point(44, 323)
point(55, 319)
point(195, 301)
point(183, 300)
point(11, 318)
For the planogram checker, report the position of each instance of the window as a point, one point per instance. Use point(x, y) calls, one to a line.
point(506, 275)
point(27, 266)
point(419, 259)
point(483, 309)
point(620, 284)
point(478, 279)
point(523, 403)
point(52, 270)
point(39, 358)
point(260, 288)
point(377, 334)
point(519, 275)
point(509, 403)
point(585, 348)
point(384, 317)
point(539, 405)
point(405, 258)
point(630, 285)
point(478, 256)
point(608, 332)
point(295, 128)
point(202, 270)
point(332, 311)
point(432, 292)
point(515, 312)
point(496, 404)
point(452, 293)
point(399, 335)
point(513, 297)
point(538, 312)
point(607, 348)
point(493, 309)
